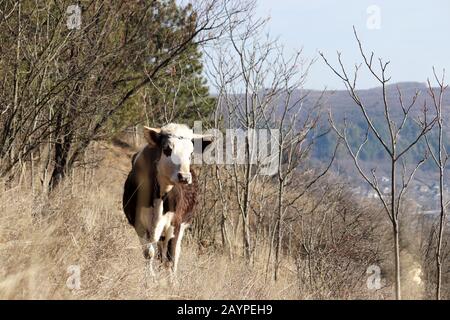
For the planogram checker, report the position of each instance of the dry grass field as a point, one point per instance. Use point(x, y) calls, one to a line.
point(82, 224)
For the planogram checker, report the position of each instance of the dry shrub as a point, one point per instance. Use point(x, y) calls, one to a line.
point(336, 241)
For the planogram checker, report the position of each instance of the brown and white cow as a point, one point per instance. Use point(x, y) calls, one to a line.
point(160, 192)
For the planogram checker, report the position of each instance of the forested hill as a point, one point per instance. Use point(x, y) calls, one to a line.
point(342, 106)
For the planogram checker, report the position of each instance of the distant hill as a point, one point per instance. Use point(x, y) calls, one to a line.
point(341, 102)
point(424, 187)
point(372, 155)
point(342, 105)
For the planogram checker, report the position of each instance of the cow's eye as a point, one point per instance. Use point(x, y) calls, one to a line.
point(167, 151)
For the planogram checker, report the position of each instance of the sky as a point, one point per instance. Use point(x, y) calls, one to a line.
point(413, 35)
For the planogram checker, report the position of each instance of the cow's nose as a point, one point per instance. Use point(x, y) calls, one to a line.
point(184, 178)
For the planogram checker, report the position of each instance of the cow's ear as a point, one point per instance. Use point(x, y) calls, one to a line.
point(205, 140)
point(153, 136)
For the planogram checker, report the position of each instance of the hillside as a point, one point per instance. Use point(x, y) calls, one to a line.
point(342, 106)
point(372, 156)
point(82, 226)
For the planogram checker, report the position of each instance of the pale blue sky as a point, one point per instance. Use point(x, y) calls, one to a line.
point(414, 35)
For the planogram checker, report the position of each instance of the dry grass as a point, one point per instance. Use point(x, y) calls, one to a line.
point(82, 224)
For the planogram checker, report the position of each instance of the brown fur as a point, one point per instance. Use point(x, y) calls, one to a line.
point(144, 166)
point(183, 198)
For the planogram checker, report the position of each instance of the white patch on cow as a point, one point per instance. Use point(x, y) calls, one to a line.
point(177, 252)
point(182, 147)
point(159, 221)
point(147, 246)
point(170, 232)
point(151, 250)
point(180, 130)
point(149, 263)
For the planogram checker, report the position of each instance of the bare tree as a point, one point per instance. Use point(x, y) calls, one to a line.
point(390, 143)
point(236, 64)
point(62, 86)
point(299, 129)
point(259, 87)
point(440, 157)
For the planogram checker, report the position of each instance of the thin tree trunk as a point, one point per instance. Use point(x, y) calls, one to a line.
point(394, 212)
point(61, 155)
point(246, 207)
point(442, 214)
point(398, 292)
point(279, 231)
point(226, 243)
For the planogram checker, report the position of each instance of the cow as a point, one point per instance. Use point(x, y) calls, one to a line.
point(160, 192)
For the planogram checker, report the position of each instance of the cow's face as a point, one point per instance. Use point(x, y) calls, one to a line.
point(176, 143)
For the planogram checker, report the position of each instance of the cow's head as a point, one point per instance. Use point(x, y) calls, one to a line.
point(176, 142)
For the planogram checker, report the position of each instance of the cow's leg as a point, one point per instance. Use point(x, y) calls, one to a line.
point(148, 250)
point(160, 249)
point(149, 254)
point(156, 221)
point(165, 250)
point(164, 231)
point(175, 247)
